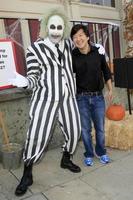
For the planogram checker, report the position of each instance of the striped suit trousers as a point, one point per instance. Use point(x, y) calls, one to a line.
point(42, 121)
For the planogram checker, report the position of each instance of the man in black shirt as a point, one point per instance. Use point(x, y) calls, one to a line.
point(91, 72)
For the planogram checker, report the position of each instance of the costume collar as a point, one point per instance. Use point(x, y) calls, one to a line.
point(52, 48)
point(52, 45)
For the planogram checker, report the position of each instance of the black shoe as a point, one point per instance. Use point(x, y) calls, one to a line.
point(66, 163)
point(23, 186)
point(25, 182)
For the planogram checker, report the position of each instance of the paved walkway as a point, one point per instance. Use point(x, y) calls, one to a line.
point(99, 182)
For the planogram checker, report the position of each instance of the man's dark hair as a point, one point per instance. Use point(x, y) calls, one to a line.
point(77, 27)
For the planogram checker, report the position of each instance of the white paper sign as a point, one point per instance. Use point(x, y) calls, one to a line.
point(7, 63)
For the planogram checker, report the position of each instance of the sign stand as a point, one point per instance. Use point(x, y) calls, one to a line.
point(2, 125)
point(129, 101)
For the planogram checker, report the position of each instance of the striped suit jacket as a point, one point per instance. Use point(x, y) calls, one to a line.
point(45, 73)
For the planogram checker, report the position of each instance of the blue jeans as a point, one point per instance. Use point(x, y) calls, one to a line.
point(92, 109)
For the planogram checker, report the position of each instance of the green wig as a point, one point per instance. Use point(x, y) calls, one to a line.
point(44, 23)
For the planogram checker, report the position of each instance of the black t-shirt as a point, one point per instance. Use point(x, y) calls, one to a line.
point(91, 70)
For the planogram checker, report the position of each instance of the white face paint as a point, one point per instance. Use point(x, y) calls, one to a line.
point(55, 29)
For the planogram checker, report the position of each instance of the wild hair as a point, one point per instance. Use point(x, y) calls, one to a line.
point(44, 22)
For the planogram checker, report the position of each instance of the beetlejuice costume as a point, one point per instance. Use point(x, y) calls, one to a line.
point(50, 76)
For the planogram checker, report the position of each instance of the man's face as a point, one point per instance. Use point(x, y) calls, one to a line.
point(55, 29)
point(80, 40)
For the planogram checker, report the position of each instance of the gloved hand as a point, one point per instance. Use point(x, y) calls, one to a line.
point(19, 80)
point(101, 49)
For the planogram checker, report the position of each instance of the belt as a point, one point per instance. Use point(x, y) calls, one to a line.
point(91, 93)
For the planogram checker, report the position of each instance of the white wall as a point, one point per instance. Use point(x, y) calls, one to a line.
point(27, 8)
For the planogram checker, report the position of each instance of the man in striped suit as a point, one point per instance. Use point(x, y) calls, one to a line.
point(50, 76)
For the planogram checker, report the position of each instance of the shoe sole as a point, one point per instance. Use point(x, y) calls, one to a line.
point(88, 165)
point(21, 194)
point(104, 162)
point(63, 167)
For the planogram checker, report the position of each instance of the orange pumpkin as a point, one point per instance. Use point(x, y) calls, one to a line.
point(115, 112)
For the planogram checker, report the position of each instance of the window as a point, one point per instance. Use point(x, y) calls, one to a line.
point(110, 3)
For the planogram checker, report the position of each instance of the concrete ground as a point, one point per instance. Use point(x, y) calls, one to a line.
point(105, 182)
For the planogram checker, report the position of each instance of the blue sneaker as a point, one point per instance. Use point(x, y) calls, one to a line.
point(104, 159)
point(88, 161)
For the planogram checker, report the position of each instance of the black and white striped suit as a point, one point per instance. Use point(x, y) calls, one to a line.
point(53, 96)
